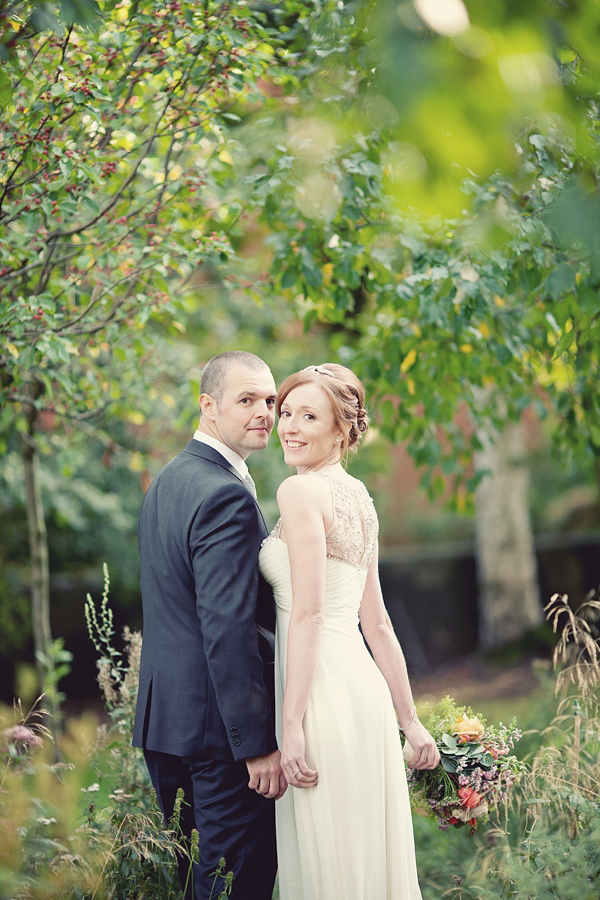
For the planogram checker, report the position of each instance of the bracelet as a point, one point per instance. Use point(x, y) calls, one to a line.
point(406, 727)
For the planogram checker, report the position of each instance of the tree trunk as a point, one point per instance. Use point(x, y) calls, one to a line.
point(509, 601)
point(40, 571)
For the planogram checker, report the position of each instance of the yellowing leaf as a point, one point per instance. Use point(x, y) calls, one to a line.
point(12, 350)
point(179, 326)
point(168, 400)
point(94, 352)
point(136, 463)
point(465, 348)
point(484, 329)
point(408, 361)
point(327, 273)
point(175, 172)
point(136, 418)
point(410, 386)
point(225, 156)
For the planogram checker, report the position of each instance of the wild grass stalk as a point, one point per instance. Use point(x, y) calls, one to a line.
point(66, 838)
point(549, 845)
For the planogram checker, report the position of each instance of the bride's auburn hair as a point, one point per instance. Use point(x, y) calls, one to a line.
point(346, 395)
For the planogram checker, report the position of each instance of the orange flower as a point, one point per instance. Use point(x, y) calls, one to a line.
point(468, 729)
point(469, 797)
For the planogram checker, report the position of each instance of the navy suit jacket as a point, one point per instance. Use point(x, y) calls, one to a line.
point(206, 673)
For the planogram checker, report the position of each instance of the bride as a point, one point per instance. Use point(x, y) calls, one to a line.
point(345, 832)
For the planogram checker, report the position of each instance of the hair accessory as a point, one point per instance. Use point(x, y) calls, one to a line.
point(320, 369)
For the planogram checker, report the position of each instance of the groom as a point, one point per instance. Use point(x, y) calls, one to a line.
point(205, 703)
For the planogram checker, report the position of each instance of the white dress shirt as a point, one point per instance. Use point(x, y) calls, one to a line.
point(230, 455)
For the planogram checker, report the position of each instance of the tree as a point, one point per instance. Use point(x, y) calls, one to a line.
point(509, 601)
point(503, 293)
point(114, 207)
point(432, 197)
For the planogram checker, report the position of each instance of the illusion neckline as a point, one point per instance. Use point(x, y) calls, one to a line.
point(355, 484)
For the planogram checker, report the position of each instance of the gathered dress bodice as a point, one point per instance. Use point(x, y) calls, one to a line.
point(350, 543)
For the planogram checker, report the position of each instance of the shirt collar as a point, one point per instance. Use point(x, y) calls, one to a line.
point(230, 455)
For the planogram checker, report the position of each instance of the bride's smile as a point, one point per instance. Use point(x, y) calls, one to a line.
point(307, 430)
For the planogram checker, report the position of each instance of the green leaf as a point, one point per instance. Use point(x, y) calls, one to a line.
point(564, 343)
point(5, 88)
point(90, 203)
point(561, 280)
point(289, 278)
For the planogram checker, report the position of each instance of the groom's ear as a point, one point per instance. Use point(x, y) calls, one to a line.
point(207, 406)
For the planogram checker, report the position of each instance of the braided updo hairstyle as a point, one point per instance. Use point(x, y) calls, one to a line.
point(346, 395)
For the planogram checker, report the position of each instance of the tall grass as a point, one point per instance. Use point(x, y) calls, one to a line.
point(88, 826)
point(547, 844)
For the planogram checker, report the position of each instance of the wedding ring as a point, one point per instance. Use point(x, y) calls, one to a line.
point(296, 773)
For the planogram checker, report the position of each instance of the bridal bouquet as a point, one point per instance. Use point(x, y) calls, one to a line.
point(476, 771)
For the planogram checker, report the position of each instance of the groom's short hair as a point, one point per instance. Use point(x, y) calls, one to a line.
point(214, 374)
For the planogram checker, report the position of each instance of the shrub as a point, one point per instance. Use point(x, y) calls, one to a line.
point(88, 826)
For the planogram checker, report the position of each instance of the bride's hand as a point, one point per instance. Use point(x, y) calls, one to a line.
point(420, 751)
point(298, 774)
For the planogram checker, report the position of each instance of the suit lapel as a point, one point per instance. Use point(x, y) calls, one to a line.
point(198, 448)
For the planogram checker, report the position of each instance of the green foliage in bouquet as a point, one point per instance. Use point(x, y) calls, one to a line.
point(476, 772)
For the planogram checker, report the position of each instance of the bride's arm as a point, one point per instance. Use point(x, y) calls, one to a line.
point(304, 532)
point(379, 634)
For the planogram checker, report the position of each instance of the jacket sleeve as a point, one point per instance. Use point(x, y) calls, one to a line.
point(224, 544)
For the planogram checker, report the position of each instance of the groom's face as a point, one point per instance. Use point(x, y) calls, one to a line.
point(244, 418)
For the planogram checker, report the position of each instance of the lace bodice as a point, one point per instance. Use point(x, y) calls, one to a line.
point(353, 533)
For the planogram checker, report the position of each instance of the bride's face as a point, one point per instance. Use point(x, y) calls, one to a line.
point(307, 429)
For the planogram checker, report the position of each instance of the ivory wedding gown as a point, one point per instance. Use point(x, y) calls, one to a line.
point(350, 837)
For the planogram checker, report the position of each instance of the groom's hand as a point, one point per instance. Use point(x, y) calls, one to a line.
point(266, 776)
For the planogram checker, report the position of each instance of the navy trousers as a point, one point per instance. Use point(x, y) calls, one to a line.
point(233, 822)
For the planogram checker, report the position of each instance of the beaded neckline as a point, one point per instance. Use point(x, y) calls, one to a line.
point(353, 533)
point(352, 536)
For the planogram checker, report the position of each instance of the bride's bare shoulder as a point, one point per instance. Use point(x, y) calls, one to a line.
point(301, 490)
